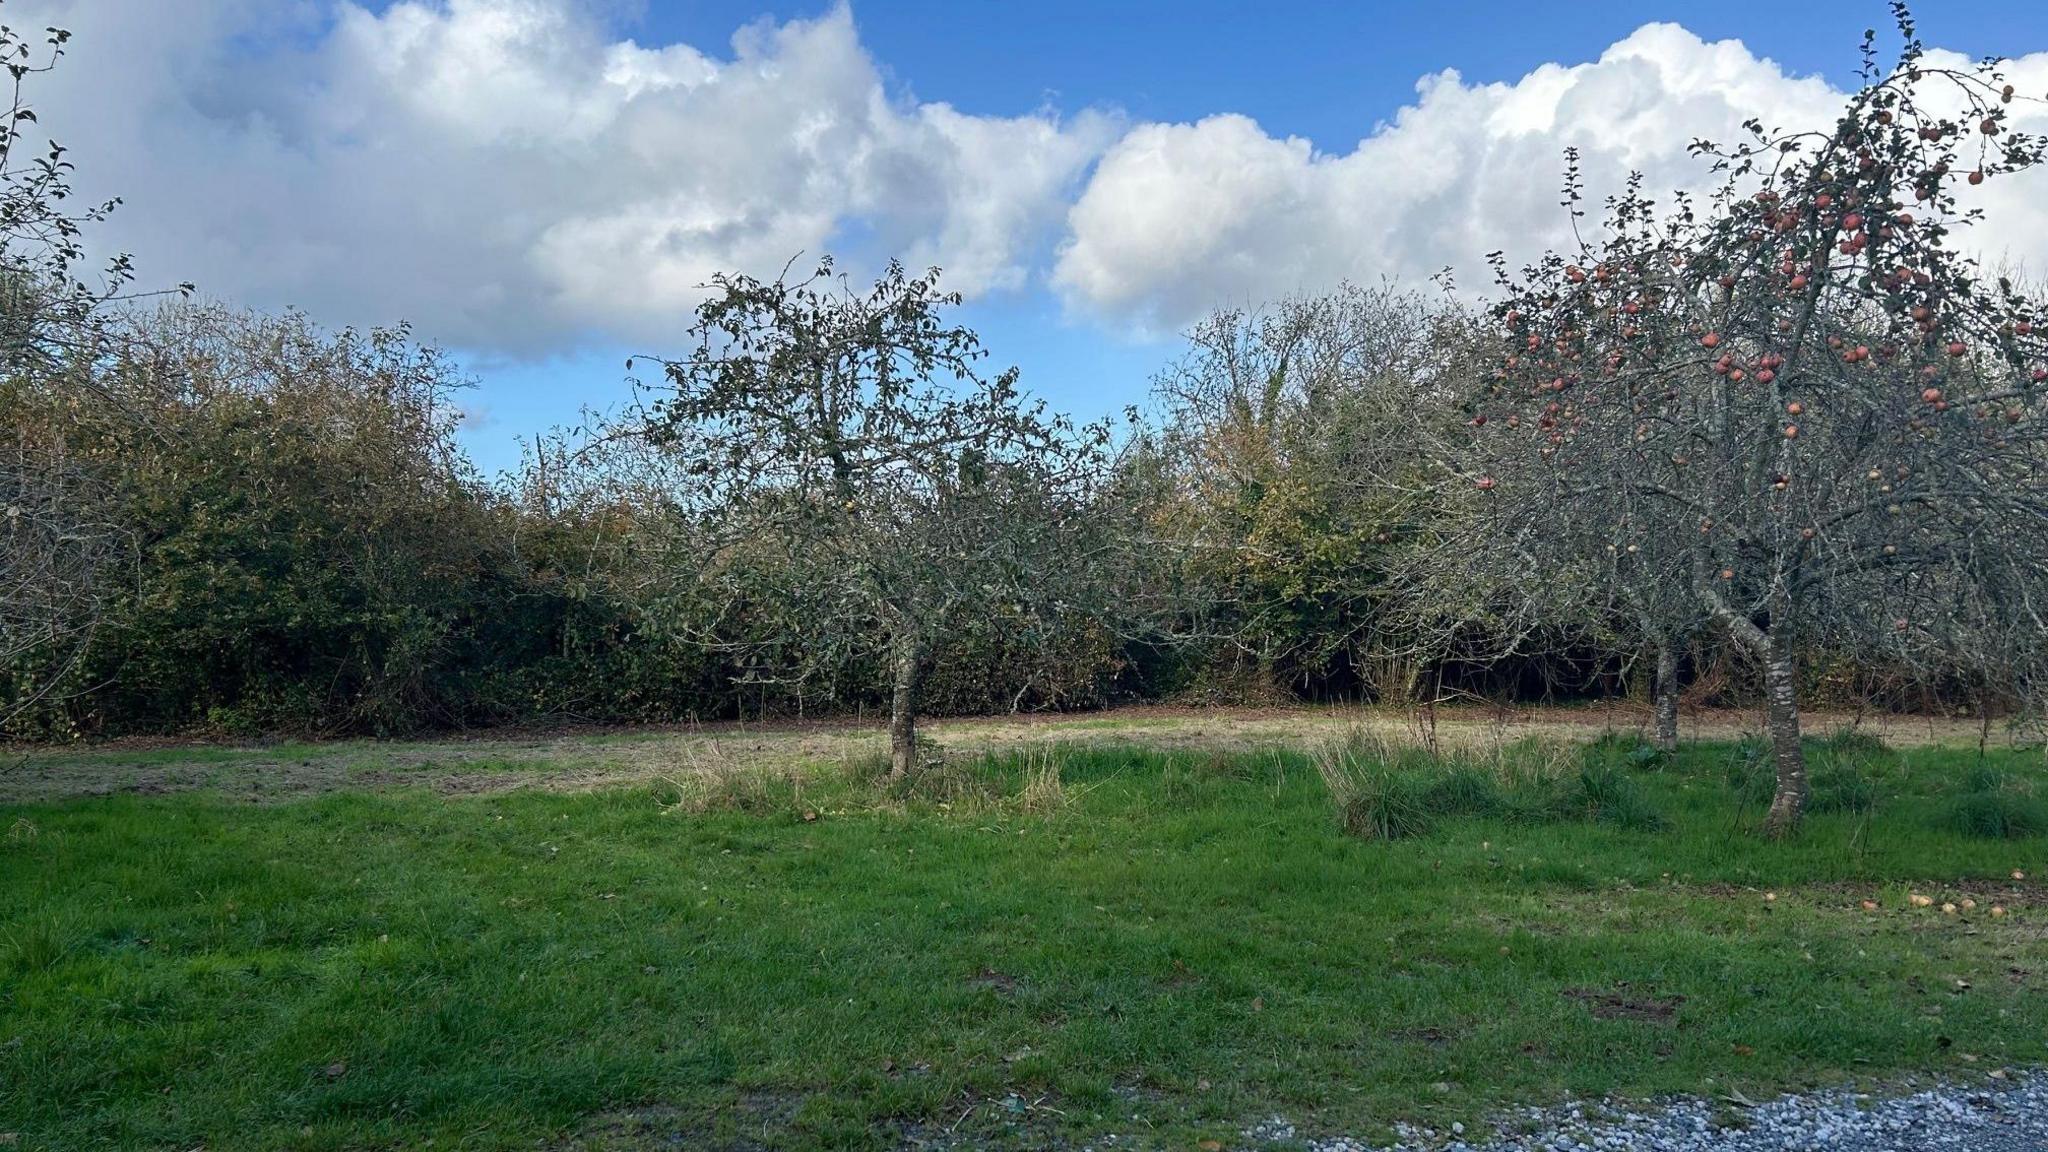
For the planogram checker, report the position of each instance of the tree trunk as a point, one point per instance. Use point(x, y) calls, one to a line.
point(908, 657)
point(1666, 691)
point(1781, 682)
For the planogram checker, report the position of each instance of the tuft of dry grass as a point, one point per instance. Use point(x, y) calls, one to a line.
point(725, 785)
point(1373, 799)
point(1042, 790)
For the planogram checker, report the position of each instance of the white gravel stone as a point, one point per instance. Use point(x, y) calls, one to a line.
point(2010, 1115)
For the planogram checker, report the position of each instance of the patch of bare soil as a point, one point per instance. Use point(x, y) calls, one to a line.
point(756, 1122)
point(1433, 1037)
point(1002, 982)
point(1970, 898)
point(1623, 1002)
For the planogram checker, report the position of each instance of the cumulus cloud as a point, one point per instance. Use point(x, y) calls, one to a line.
point(515, 177)
point(1179, 218)
point(508, 176)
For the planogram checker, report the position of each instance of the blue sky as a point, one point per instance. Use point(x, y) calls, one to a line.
point(541, 195)
point(1326, 71)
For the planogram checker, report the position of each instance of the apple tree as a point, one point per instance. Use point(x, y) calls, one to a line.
point(55, 545)
point(1794, 407)
point(839, 455)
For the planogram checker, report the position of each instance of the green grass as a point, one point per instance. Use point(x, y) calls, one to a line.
point(1023, 949)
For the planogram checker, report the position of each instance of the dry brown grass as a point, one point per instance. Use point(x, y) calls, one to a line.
point(606, 758)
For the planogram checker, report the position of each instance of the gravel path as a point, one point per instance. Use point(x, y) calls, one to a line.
point(2009, 1115)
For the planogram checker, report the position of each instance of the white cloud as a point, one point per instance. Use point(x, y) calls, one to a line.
point(507, 176)
point(514, 177)
point(1179, 218)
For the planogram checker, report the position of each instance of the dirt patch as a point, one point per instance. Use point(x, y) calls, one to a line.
point(1624, 1002)
point(442, 780)
point(1433, 1037)
point(1002, 982)
point(1969, 896)
point(756, 1122)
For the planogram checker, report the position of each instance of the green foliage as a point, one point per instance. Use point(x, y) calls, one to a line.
point(839, 458)
point(304, 549)
point(261, 527)
point(303, 546)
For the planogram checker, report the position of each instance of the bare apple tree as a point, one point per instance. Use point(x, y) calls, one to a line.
point(54, 558)
point(898, 492)
point(1555, 547)
point(1794, 410)
point(54, 546)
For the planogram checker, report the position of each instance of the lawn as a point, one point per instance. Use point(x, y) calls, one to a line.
point(1026, 947)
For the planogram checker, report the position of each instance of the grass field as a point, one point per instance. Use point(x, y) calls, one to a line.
point(1031, 946)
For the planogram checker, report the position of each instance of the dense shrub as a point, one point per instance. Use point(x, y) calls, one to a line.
point(304, 548)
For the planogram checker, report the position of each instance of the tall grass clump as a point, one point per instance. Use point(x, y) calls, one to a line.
point(1625, 750)
point(1463, 788)
point(1749, 771)
point(1041, 788)
point(1385, 791)
point(1993, 805)
point(1846, 768)
point(1374, 798)
point(947, 782)
point(1856, 744)
point(1835, 786)
point(32, 946)
point(720, 787)
point(1532, 774)
point(1843, 771)
point(1605, 794)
